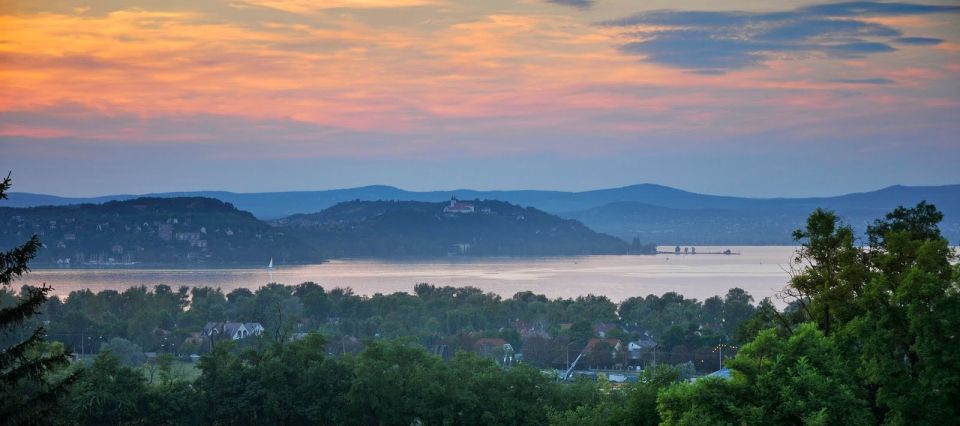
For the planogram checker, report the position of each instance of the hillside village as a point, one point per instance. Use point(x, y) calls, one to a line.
point(196, 231)
point(149, 231)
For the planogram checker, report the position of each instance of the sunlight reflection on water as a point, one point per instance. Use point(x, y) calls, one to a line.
point(759, 270)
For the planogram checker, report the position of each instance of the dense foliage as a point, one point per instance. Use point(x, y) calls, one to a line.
point(872, 336)
point(151, 230)
point(443, 319)
point(29, 387)
point(483, 228)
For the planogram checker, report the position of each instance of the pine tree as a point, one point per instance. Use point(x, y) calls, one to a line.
point(27, 392)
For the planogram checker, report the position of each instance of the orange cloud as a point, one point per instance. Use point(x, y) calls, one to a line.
point(309, 6)
point(462, 69)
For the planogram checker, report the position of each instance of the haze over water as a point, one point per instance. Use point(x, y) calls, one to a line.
point(759, 270)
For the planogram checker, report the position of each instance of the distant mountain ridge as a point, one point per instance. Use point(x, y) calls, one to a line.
point(603, 210)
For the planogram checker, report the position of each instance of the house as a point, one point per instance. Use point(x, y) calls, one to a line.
point(165, 232)
point(527, 331)
point(233, 330)
point(188, 236)
point(254, 328)
point(489, 345)
point(637, 348)
point(603, 328)
point(614, 344)
point(457, 207)
point(617, 378)
point(723, 373)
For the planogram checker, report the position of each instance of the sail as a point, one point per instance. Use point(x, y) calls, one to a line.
point(271, 263)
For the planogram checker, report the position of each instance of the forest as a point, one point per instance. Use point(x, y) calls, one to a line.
point(868, 336)
point(458, 227)
point(151, 231)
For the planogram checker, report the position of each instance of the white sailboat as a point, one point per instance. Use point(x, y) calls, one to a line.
point(270, 265)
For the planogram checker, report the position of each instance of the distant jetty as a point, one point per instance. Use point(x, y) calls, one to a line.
point(693, 251)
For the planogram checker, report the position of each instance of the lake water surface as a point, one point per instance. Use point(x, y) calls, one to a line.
point(759, 270)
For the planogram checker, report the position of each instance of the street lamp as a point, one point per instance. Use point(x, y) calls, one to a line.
point(567, 352)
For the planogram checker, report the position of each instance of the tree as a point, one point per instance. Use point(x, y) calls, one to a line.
point(27, 391)
point(107, 393)
point(127, 352)
point(580, 332)
point(832, 274)
point(800, 379)
point(803, 378)
point(910, 317)
point(737, 308)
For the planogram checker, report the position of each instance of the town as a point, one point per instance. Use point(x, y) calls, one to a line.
point(573, 337)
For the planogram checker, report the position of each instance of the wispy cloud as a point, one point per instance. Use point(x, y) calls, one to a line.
point(919, 41)
point(715, 42)
point(579, 4)
point(875, 80)
point(309, 6)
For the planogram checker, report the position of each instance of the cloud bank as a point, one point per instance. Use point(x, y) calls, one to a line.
point(716, 42)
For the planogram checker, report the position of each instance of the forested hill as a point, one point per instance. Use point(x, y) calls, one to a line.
point(478, 228)
point(150, 231)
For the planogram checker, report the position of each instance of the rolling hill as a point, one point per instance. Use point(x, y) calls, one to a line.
point(150, 231)
point(423, 229)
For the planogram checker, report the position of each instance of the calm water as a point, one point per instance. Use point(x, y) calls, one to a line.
point(759, 270)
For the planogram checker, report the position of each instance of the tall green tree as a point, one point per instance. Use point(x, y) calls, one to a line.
point(831, 274)
point(907, 333)
point(27, 391)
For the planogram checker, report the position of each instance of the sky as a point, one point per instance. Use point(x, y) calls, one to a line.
point(772, 98)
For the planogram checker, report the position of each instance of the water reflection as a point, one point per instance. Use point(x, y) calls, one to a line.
point(759, 270)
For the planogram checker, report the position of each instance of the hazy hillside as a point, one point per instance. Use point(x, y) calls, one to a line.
point(626, 212)
point(759, 222)
point(150, 231)
point(691, 226)
point(411, 228)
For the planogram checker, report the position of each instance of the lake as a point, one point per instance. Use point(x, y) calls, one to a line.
point(759, 270)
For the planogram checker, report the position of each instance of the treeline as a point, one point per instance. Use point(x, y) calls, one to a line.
point(546, 331)
point(390, 383)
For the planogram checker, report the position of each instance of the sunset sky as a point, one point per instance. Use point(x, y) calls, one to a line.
point(772, 98)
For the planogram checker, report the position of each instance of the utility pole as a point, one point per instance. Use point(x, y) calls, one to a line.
point(721, 352)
